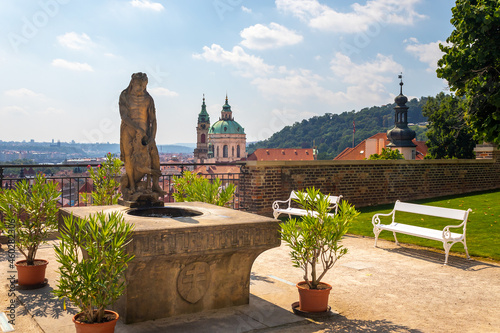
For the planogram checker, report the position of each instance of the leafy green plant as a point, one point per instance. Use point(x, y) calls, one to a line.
point(191, 187)
point(33, 209)
point(387, 154)
point(93, 259)
point(105, 183)
point(315, 238)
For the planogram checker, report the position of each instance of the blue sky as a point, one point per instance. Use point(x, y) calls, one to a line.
point(65, 62)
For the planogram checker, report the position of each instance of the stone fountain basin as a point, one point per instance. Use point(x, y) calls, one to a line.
point(164, 212)
point(198, 260)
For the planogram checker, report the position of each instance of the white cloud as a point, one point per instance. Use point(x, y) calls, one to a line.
point(51, 111)
point(23, 93)
point(426, 53)
point(146, 4)
point(13, 110)
point(248, 65)
point(261, 37)
point(160, 91)
point(366, 80)
point(294, 86)
point(75, 41)
point(75, 66)
point(374, 12)
point(246, 10)
point(276, 120)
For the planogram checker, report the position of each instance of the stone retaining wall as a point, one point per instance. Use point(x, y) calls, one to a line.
point(366, 183)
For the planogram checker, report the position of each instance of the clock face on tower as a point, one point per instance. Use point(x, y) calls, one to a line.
point(203, 126)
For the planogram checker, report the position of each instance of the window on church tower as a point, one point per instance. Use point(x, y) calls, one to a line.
point(225, 151)
point(217, 151)
point(232, 152)
point(202, 139)
point(238, 151)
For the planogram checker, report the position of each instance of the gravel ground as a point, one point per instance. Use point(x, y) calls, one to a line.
point(386, 289)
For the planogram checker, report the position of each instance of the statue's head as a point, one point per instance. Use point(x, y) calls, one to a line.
point(138, 82)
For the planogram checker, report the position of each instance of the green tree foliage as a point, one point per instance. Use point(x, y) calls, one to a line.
point(332, 133)
point(387, 154)
point(105, 182)
point(191, 187)
point(448, 135)
point(471, 64)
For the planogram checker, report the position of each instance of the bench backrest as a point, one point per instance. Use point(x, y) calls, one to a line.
point(450, 213)
point(332, 199)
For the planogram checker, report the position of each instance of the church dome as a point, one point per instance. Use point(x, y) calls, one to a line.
point(226, 123)
point(401, 99)
point(226, 127)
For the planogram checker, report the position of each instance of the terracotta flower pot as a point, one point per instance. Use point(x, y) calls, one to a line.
point(107, 327)
point(313, 300)
point(31, 275)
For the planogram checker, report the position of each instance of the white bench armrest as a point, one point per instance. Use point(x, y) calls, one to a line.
point(376, 219)
point(277, 202)
point(447, 233)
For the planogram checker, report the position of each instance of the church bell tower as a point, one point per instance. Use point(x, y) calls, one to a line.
point(201, 151)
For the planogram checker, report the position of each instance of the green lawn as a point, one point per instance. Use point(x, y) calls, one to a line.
point(483, 227)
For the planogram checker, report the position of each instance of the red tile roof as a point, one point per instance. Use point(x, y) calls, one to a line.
point(86, 188)
point(216, 169)
point(378, 141)
point(281, 154)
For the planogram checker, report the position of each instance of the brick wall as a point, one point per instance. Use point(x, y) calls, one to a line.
point(366, 183)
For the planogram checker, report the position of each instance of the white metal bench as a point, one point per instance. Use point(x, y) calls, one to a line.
point(446, 236)
point(289, 210)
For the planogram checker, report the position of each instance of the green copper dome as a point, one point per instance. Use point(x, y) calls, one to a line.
point(226, 127)
point(226, 124)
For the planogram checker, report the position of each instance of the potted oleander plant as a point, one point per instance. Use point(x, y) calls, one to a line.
point(315, 240)
point(93, 259)
point(31, 207)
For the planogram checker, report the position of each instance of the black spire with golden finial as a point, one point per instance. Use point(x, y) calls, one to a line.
point(401, 135)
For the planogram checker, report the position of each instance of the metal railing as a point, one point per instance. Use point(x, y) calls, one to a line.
point(73, 185)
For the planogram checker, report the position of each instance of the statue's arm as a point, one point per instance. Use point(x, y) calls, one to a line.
point(152, 118)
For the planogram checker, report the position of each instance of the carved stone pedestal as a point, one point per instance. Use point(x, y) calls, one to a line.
point(189, 264)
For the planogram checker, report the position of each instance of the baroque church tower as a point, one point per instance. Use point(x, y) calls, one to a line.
point(201, 151)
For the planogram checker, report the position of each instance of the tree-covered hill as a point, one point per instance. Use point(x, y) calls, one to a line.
point(332, 133)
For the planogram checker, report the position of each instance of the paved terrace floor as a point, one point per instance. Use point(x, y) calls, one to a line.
point(385, 289)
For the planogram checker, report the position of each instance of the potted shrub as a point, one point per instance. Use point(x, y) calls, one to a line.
point(315, 240)
point(32, 210)
point(93, 259)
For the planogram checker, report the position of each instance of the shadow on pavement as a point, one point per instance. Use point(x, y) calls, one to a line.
point(342, 324)
point(42, 303)
point(438, 258)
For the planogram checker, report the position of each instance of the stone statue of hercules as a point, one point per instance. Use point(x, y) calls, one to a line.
point(138, 149)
